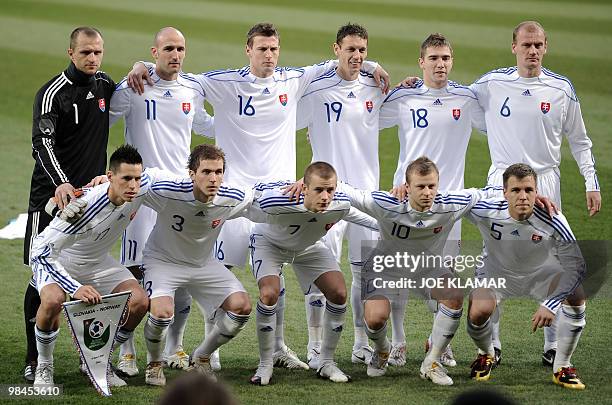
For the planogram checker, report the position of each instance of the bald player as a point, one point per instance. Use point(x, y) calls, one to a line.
point(159, 123)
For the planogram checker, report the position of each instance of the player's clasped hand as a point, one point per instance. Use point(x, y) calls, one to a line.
point(136, 76)
point(382, 79)
point(88, 295)
point(399, 192)
point(97, 181)
point(74, 210)
point(294, 190)
point(542, 317)
point(64, 193)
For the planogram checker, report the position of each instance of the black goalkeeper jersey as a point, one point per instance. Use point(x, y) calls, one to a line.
point(69, 132)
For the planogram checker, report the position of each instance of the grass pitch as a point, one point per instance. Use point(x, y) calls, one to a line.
point(580, 33)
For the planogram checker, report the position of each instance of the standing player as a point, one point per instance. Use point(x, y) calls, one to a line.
point(69, 138)
point(340, 109)
point(528, 109)
point(180, 254)
point(292, 235)
point(434, 118)
point(255, 119)
point(74, 258)
point(536, 255)
point(159, 122)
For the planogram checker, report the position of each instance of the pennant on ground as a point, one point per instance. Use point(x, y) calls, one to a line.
point(93, 329)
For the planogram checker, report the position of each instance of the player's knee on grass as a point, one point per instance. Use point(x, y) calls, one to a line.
point(162, 307)
point(333, 287)
point(481, 307)
point(238, 303)
point(139, 301)
point(451, 298)
point(577, 298)
point(376, 313)
point(51, 299)
point(336, 296)
point(269, 290)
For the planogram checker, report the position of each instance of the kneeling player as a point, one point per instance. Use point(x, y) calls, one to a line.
point(74, 258)
point(179, 253)
point(535, 254)
point(292, 235)
point(420, 224)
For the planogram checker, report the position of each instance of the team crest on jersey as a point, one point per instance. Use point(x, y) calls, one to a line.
point(283, 99)
point(456, 114)
point(132, 215)
point(536, 238)
point(545, 107)
point(186, 108)
point(102, 104)
point(437, 229)
point(328, 226)
point(369, 106)
point(215, 223)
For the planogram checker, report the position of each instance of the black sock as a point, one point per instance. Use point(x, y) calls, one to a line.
point(31, 303)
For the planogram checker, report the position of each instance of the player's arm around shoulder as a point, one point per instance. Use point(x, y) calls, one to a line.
point(120, 102)
point(361, 218)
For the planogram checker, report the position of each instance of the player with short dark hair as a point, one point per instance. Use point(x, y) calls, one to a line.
point(536, 254)
point(74, 258)
point(341, 111)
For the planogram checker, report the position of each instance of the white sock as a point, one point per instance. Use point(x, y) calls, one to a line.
point(550, 334)
point(155, 332)
point(128, 347)
point(45, 343)
point(398, 312)
point(226, 328)
point(333, 322)
point(266, 324)
point(279, 341)
point(123, 335)
point(379, 337)
point(495, 321)
point(444, 327)
point(176, 330)
point(315, 308)
point(361, 337)
point(572, 321)
point(481, 335)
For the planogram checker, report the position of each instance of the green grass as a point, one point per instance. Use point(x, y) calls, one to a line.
point(580, 46)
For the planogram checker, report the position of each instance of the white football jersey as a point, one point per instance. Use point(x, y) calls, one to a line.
point(159, 122)
point(186, 229)
point(527, 117)
point(436, 123)
point(255, 118)
point(89, 239)
point(342, 120)
point(518, 248)
point(291, 226)
point(419, 231)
